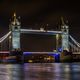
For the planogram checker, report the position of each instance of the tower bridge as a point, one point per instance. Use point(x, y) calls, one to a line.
point(67, 41)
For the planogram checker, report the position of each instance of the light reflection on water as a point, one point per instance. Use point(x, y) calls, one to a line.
point(40, 71)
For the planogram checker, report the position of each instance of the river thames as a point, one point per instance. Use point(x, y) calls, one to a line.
point(40, 71)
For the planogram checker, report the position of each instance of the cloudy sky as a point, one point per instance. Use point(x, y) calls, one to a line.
point(37, 13)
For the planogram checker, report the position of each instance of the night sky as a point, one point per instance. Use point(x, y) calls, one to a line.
point(37, 13)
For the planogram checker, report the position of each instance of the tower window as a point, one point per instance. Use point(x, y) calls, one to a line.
point(15, 27)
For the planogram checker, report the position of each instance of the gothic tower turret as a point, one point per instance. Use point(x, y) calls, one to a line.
point(14, 27)
point(65, 35)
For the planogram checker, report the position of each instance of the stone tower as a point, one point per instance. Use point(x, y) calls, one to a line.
point(65, 35)
point(14, 27)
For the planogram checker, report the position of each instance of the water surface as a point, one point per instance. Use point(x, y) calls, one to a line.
point(40, 71)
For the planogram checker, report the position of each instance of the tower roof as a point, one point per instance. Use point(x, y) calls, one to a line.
point(14, 17)
point(15, 20)
point(14, 14)
point(62, 21)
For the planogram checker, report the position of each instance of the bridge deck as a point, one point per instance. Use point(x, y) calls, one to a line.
point(41, 53)
point(33, 52)
point(40, 31)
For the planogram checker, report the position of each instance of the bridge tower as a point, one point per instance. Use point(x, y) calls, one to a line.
point(65, 35)
point(14, 27)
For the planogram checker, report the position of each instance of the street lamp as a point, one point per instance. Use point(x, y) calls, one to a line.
point(9, 42)
point(57, 41)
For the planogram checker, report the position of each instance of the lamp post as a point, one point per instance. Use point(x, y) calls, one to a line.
point(9, 42)
point(57, 41)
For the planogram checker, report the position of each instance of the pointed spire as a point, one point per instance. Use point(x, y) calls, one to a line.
point(15, 20)
point(62, 21)
point(14, 16)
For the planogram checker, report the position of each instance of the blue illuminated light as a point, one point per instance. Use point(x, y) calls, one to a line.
point(54, 54)
point(25, 53)
point(60, 49)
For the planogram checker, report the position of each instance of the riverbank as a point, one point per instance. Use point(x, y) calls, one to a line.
point(41, 58)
